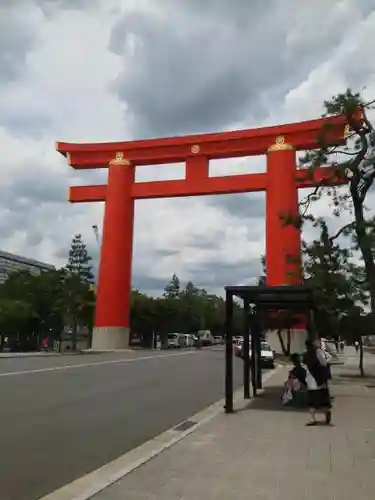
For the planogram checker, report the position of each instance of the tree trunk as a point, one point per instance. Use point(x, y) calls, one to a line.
point(368, 259)
point(282, 343)
point(74, 336)
point(90, 338)
point(289, 341)
point(366, 250)
point(361, 364)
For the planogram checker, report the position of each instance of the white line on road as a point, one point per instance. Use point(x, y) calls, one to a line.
point(83, 365)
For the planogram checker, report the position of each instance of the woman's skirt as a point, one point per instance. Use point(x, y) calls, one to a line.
point(319, 399)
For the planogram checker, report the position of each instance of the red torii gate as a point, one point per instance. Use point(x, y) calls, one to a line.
point(281, 182)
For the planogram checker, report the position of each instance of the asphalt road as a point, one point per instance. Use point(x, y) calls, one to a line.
point(62, 417)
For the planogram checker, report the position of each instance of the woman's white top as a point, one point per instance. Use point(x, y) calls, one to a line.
point(310, 380)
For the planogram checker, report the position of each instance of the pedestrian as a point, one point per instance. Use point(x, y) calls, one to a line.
point(319, 400)
point(45, 344)
point(356, 346)
point(295, 385)
point(298, 371)
point(329, 357)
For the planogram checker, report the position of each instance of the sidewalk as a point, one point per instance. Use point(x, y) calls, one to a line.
point(265, 452)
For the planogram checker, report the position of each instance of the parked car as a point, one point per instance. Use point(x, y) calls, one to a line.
point(174, 341)
point(189, 340)
point(237, 338)
point(238, 348)
point(183, 339)
point(217, 340)
point(267, 355)
point(205, 337)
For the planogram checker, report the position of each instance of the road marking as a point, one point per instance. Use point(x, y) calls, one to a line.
point(83, 365)
point(86, 487)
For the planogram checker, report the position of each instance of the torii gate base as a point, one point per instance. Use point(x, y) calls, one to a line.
point(281, 182)
point(110, 338)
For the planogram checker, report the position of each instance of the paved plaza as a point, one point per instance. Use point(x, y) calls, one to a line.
point(265, 452)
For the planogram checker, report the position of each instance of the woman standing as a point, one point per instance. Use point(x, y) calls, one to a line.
point(319, 400)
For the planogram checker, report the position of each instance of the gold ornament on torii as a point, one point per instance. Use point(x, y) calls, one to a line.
point(120, 160)
point(280, 145)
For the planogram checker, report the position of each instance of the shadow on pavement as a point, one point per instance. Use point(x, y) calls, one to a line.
point(270, 400)
point(346, 378)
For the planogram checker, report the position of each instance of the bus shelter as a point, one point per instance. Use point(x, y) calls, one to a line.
point(257, 302)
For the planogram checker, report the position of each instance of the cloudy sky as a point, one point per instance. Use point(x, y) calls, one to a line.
point(106, 70)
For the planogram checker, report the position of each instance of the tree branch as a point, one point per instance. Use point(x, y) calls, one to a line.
point(310, 195)
point(366, 120)
point(309, 198)
point(345, 153)
point(350, 225)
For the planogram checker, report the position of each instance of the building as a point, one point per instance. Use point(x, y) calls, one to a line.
point(10, 262)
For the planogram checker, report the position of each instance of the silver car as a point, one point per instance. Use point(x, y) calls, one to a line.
point(238, 348)
point(267, 355)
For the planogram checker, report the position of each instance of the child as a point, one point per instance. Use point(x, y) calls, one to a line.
point(296, 382)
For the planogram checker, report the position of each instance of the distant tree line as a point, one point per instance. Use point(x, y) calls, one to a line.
point(34, 307)
point(183, 309)
point(60, 303)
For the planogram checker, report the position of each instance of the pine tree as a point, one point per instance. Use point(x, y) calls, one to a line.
point(190, 290)
point(79, 261)
point(173, 289)
point(327, 267)
point(78, 280)
point(352, 165)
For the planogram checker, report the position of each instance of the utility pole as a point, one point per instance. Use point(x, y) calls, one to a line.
point(97, 235)
point(98, 240)
point(93, 287)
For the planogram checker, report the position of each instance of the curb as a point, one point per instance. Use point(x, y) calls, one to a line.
point(38, 354)
point(104, 351)
point(86, 487)
point(31, 355)
point(56, 354)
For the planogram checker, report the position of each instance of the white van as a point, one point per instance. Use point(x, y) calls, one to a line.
point(205, 337)
point(182, 339)
point(189, 340)
point(173, 341)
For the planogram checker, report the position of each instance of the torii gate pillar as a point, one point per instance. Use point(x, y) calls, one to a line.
point(112, 314)
point(283, 241)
